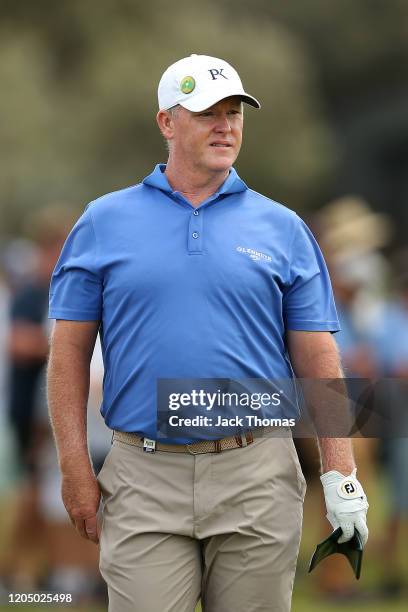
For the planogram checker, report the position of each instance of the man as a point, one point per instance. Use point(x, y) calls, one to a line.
point(190, 274)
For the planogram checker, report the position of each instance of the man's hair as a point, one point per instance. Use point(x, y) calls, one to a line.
point(173, 111)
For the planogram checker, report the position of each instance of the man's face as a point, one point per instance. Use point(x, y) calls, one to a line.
point(210, 140)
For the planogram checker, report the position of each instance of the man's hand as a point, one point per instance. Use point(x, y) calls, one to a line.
point(81, 496)
point(346, 504)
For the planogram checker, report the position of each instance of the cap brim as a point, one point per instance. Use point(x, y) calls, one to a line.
point(201, 102)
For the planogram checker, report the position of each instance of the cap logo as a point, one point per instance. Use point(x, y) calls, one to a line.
point(187, 85)
point(215, 73)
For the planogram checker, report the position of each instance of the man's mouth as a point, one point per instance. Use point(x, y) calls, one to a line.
point(220, 144)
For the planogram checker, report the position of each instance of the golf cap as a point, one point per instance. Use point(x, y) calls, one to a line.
point(199, 81)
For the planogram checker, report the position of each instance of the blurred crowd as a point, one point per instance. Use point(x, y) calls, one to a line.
point(370, 282)
point(38, 547)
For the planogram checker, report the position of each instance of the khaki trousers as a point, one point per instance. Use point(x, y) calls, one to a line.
point(224, 527)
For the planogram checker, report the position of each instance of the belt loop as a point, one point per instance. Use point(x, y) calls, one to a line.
point(243, 440)
point(249, 437)
point(217, 444)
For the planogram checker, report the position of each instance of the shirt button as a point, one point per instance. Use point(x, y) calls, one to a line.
point(196, 213)
point(195, 234)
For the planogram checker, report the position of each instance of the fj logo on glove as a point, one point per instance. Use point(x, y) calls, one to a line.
point(348, 488)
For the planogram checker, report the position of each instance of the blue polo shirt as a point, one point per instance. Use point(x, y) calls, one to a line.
point(184, 292)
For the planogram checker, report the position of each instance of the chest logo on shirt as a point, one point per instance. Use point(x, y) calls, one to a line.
point(253, 254)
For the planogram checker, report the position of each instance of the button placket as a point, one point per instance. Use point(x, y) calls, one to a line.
point(195, 232)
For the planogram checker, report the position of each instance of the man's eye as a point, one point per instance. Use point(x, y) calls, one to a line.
point(208, 114)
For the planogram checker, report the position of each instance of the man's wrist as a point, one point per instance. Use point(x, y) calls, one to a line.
point(75, 461)
point(336, 454)
point(343, 470)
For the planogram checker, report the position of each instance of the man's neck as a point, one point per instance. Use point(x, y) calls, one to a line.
point(194, 186)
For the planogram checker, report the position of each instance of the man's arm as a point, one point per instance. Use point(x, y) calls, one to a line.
point(314, 355)
point(72, 344)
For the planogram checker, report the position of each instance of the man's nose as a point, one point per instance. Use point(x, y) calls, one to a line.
point(223, 124)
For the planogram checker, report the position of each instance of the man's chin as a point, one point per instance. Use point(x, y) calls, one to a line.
point(222, 164)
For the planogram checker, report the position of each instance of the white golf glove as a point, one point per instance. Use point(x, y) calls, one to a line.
point(346, 504)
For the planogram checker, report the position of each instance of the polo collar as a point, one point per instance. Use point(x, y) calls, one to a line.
point(158, 179)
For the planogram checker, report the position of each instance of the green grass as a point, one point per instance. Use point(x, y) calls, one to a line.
point(301, 605)
point(302, 602)
point(46, 608)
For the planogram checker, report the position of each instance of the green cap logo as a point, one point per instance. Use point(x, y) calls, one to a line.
point(187, 84)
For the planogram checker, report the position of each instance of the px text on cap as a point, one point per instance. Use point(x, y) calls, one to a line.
point(199, 81)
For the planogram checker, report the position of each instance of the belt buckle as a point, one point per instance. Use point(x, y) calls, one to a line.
point(149, 446)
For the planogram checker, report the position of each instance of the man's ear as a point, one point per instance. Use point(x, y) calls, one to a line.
point(165, 121)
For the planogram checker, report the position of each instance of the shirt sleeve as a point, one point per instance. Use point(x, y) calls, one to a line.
point(77, 283)
point(308, 302)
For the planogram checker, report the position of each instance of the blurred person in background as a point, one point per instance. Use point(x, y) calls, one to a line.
point(28, 351)
point(41, 549)
point(4, 321)
point(351, 235)
point(18, 258)
point(390, 339)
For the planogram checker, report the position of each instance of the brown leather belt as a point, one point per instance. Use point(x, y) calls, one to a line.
point(197, 448)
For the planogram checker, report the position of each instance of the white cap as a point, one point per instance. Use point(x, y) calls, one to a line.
point(199, 81)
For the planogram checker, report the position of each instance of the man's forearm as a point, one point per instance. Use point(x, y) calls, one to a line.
point(330, 415)
point(316, 361)
point(328, 405)
point(68, 388)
